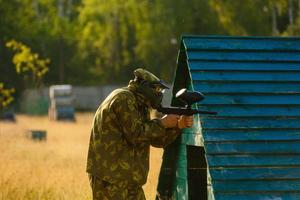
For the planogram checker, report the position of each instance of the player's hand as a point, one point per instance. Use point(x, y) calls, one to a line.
point(185, 121)
point(170, 121)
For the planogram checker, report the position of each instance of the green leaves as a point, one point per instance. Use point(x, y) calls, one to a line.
point(100, 41)
point(6, 96)
point(28, 62)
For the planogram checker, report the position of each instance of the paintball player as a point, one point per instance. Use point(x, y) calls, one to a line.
point(122, 132)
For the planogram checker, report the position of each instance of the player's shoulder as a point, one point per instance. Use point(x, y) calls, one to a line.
point(123, 94)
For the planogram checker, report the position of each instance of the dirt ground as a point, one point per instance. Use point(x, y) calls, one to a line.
point(55, 168)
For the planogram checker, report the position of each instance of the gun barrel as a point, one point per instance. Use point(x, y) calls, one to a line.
point(183, 111)
point(172, 110)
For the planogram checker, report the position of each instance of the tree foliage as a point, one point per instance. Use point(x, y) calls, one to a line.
point(27, 62)
point(6, 96)
point(98, 42)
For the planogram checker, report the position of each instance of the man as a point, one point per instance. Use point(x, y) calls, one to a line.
point(118, 156)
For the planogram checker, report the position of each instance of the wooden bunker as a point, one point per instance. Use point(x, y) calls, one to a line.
point(61, 103)
point(37, 135)
point(251, 149)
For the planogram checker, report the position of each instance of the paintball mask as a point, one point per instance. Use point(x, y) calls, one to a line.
point(151, 87)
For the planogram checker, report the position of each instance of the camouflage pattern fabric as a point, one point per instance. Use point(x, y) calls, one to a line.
point(121, 136)
point(145, 75)
point(148, 76)
point(105, 191)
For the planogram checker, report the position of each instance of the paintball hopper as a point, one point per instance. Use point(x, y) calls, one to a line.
point(189, 97)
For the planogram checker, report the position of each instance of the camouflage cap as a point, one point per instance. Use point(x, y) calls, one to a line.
point(148, 76)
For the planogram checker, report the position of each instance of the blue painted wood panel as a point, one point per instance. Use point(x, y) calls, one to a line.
point(256, 76)
point(241, 56)
point(260, 160)
point(228, 87)
point(261, 147)
point(249, 123)
point(254, 85)
point(238, 44)
point(221, 66)
point(251, 99)
point(253, 145)
point(271, 173)
point(227, 135)
point(257, 186)
point(254, 110)
point(257, 196)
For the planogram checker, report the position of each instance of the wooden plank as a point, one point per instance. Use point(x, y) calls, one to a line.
point(257, 99)
point(245, 87)
point(208, 122)
point(194, 56)
point(263, 76)
point(250, 135)
point(255, 174)
point(181, 188)
point(257, 196)
point(242, 66)
point(256, 186)
point(210, 193)
point(261, 147)
point(192, 139)
point(253, 110)
point(252, 160)
point(251, 44)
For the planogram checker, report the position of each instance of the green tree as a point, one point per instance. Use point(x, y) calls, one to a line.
point(118, 35)
point(294, 29)
point(159, 26)
point(6, 96)
point(28, 63)
point(107, 37)
point(98, 41)
point(15, 22)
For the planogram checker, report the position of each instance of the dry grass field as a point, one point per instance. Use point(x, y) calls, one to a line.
point(55, 168)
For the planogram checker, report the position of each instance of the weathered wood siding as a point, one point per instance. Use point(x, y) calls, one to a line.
point(253, 145)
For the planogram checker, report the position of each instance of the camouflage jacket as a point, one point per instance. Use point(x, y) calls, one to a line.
point(121, 136)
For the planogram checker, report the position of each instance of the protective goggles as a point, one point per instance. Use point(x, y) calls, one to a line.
point(158, 88)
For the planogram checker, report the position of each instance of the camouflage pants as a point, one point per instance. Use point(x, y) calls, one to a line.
point(103, 190)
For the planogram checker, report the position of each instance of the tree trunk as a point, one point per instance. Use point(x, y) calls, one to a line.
point(60, 8)
point(291, 14)
point(69, 9)
point(298, 7)
point(116, 58)
point(35, 6)
point(274, 20)
point(61, 61)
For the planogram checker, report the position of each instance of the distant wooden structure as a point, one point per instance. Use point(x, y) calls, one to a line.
point(61, 103)
point(37, 135)
point(7, 115)
point(251, 149)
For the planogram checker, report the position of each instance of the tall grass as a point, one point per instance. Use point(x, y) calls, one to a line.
point(54, 169)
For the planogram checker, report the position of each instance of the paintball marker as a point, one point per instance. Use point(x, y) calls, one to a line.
point(188, 98)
